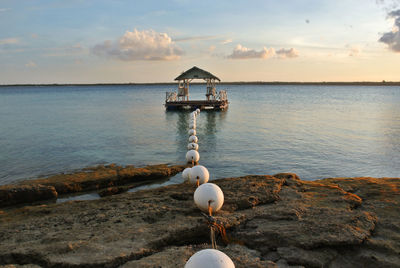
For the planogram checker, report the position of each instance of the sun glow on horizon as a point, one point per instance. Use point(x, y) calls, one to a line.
point(103, 42)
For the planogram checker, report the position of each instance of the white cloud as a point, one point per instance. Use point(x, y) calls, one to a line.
point(227, 41)
point(4, 9)
point(287, 53)
point(9, 41)
point(75, 48)
point(195, 38)
point(30, 64)
point(140, 45)
point(354, 50)
point(241, 52)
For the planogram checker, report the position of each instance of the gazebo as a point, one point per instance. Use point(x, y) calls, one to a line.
point(180, 100)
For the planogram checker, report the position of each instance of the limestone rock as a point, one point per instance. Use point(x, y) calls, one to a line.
point(16, 194)
point(109, 177)
point(270, 221)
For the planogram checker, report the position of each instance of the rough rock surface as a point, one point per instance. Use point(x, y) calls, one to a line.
point(109, 177)
point(17, 194)
point(270, 221)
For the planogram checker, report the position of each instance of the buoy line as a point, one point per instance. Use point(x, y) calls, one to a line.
point(209, 198)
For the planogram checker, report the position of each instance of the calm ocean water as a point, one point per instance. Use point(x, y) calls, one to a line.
point(314, 131)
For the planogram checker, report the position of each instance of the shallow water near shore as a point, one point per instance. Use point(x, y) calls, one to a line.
point(314, 131)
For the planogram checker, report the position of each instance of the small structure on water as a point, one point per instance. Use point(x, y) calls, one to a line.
point(180, 100)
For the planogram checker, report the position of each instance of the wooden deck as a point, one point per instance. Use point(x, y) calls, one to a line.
point(197, 104)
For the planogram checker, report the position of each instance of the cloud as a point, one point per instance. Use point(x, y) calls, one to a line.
point(70, 50)
point(34, 36)
point(195, 38)
point(9, 41)
point(287, 53)
point(354, 50)
point(227, 41)
point(30, 64)
point(4, 9)
point(392, 38)
point(241, 52)
point(74, 48)
point(140, 45)
point(388, 4)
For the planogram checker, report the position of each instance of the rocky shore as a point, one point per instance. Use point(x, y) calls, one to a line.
point(106, 180)
point(270, 221)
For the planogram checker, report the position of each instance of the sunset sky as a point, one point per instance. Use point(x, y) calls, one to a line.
point(154, 41)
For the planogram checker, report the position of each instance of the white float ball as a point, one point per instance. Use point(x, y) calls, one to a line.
point(209, 193)
point(186, 173)
point(192, 132)
point(210, 258)
point(197, 111)
point(200, 173)
point(193, 146)
point(192, 155)
point(192, 125)
point(193, 139)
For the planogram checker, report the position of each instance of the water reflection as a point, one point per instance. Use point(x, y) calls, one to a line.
point(208, 124)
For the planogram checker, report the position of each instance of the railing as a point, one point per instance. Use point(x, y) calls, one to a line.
point(173, 96)
point(170, 96)
point(222, 95)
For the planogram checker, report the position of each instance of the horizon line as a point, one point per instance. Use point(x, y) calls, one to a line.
point(360, 83)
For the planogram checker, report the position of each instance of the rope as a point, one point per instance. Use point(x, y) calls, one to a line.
point(212, 232)
point(216, 226)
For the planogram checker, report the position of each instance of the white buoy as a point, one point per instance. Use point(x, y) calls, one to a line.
point(192, 155)
point(192, 125)
point(208, 195)
point(193, 146)
point(197, 111)
point(186, 173)
point(199, 173)
point(192, 132)
point(193, 139)
point(210, 258)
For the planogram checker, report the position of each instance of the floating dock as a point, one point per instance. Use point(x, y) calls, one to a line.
point(219, 105)
point(180, 100)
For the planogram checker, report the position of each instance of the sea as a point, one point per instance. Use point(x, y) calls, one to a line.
point(315, 131)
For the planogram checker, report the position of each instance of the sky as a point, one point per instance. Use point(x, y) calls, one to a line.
point(98, 41)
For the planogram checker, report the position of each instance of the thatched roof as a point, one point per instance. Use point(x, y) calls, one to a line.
point(196, 73)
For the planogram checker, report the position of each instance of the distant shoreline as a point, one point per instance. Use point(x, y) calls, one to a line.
point(384, 83)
